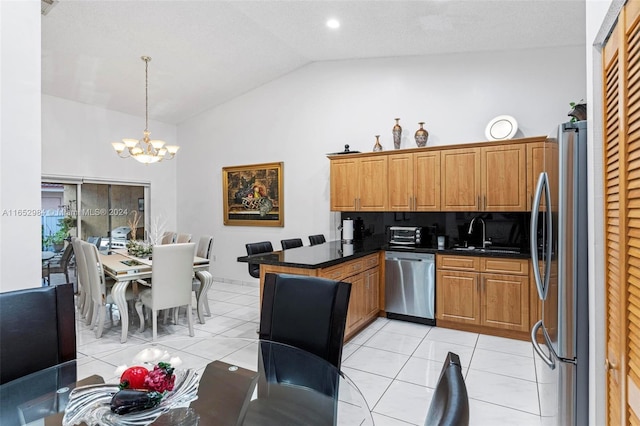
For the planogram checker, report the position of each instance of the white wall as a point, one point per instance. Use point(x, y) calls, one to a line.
point(76, 141)
point(317, 109)
point(19, 144)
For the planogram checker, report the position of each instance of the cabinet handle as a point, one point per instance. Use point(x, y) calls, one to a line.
point(479, 206)
point(485, 202)
point(415, 204)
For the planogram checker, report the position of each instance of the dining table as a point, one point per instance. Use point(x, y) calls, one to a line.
point(261, 383)
point(125, 268)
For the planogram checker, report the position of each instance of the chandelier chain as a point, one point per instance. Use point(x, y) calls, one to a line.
point(146, 60)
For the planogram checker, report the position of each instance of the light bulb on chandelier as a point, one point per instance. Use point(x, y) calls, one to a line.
point(145, 150)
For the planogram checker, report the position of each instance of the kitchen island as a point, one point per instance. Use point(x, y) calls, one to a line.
point(358, 263)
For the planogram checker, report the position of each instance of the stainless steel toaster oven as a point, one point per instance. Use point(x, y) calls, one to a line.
point(405, 235)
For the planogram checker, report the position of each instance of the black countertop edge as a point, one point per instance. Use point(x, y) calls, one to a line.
point(334, 253)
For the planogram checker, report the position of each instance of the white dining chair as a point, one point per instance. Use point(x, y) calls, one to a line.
point(205, 244)
point(205, 250)
point(171, 278)
point(84, 289)
point(183, 238)
point(168, 237)
point(99, 294)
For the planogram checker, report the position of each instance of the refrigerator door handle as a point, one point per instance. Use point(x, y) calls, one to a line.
point(541, 284)
point(536, 346)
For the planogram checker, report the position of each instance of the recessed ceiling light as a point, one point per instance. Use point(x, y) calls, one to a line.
point(333, 24)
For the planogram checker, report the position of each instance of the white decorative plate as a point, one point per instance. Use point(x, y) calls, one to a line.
point(501, 128)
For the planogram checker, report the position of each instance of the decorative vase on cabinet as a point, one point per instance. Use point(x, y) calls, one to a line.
point(421, 135)
point(397, 134)
point(377, 146)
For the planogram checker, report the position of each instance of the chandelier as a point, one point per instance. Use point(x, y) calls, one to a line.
point(145, 150)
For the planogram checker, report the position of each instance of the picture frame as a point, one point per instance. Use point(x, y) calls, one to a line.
point(253, 195)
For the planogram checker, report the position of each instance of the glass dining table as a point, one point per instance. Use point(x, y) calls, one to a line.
point(261, 383)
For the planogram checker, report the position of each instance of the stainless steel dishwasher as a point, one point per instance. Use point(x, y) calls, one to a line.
point(410, 284)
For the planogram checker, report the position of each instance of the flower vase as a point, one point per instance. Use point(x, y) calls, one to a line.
point(377, 147)
point(397, 134)
point(421, 136)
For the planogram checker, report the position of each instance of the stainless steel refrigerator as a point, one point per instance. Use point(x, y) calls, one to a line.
point(559, 247)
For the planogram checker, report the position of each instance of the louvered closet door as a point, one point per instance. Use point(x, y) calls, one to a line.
point(621, 58)
point(632, 161)
point(614, 245)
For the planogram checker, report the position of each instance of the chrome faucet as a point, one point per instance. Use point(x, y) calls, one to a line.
point(485, 243)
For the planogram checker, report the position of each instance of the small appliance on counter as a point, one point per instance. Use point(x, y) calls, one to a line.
point(408, 236)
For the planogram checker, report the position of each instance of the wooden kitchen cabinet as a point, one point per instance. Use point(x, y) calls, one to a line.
point(359, 184)
point(483, 294)
point(503, 171)
point(414, 181)
point(355, 313)
point(488, 176)
point(504, 301)
point(542, 156)
point(460, 179)
point(364, 275)
point(372, 292)
point(484, 179)
point(457, 297)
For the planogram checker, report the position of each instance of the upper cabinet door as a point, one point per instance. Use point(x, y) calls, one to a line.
point(460, 179)
point(344, 184)
point(503, 171)
point(401, 182)
point(426, 181)
point(542, 157)
point(372, 184)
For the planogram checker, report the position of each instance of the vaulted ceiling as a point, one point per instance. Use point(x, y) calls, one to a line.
point(207, 52)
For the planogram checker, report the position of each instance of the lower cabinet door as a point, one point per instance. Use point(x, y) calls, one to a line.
point(504, 301)
point(372, 290)
point(355, 313)
point(457, 297)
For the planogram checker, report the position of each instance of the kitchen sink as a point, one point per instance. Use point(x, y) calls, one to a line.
point(506, 250)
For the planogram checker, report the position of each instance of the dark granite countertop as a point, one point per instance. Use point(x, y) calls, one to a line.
point(319, 256)
point(336, 252)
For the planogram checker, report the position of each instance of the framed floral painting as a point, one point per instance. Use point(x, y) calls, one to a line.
point(253, 195)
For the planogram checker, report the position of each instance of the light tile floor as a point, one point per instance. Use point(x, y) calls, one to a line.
point(395, 364)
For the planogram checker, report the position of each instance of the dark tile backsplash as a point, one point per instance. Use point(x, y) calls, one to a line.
point(504, 229)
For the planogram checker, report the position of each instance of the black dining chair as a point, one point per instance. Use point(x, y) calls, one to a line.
point(257, 248)
point(37, 330)
point(450, 403)
point(291, 243)
point(316, 239)
point(309, 313)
